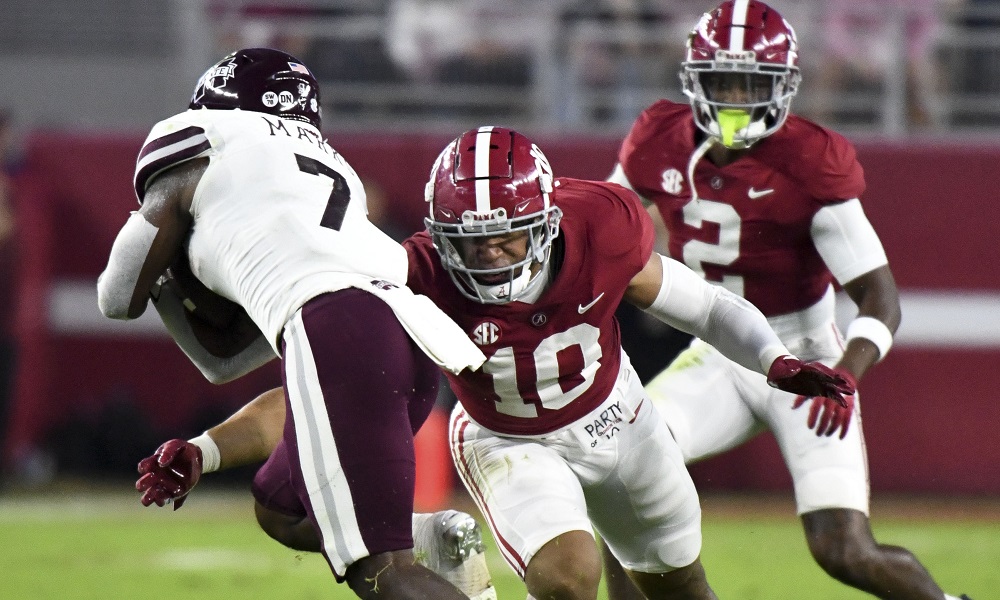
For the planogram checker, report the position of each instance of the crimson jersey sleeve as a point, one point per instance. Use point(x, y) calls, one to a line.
point(424, 264)
point(663, 129)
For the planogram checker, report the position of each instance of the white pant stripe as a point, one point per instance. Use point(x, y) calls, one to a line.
point(318, 457)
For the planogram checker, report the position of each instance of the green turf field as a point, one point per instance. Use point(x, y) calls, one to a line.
point(94, 545)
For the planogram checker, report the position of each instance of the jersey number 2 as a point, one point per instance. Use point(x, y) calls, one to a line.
point(725, 251)
point(340, 196)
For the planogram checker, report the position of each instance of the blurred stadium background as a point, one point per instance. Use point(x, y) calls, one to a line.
point(914, 84)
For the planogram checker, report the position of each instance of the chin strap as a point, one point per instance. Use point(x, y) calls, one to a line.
point(693, 161)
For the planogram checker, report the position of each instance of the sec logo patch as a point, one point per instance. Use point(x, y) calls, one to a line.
point(486, 333)
point(671, 181)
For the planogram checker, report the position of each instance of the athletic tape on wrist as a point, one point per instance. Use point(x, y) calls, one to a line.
point(874, 331)
point(210, 455)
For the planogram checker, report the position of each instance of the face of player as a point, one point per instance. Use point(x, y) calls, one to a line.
point(494, 252)
point(737, 88)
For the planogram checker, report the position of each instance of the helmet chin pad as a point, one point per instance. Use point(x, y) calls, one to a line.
point(515, 288)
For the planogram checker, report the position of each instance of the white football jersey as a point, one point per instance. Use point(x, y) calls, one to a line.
point(279, 216)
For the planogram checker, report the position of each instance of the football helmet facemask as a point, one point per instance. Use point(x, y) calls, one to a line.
point(262, 80)
point(741, 72)
point(491, 182)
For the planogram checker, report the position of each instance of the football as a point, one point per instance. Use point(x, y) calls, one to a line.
point(200, 301)
point(221, 326)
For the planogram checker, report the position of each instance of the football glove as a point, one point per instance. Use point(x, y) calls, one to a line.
point(170, 473)
point(812, 379)
point(826, 416)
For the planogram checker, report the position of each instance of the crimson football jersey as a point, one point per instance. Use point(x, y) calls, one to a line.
point(749, 229)
point(552, 361)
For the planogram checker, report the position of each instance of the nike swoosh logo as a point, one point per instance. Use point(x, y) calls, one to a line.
point(754, 194)
point(637, 409)
point(584, 308)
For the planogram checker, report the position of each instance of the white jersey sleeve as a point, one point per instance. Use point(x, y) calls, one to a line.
point(170, 143)
point(846, 240)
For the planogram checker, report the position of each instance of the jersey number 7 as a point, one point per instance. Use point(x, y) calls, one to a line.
point(340, 196)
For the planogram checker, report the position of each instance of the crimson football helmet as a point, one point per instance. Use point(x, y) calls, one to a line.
point(489, 182)
point(741, 72)
point(263, 80)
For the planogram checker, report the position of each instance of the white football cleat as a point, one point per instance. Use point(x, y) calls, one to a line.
point(450, 543)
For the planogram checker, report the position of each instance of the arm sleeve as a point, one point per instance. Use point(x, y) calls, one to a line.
point(116, 285)
point(734, 326)
point(216, 370)
point(846, 240)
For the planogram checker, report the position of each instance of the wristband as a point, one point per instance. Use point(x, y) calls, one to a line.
point(874, 331)
point(211, 458)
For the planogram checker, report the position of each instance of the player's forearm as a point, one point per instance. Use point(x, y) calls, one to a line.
point(734, 326)
point(118, 293)
point(251, 434)
point(870, 335)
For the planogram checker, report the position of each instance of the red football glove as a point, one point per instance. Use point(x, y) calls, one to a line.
point(834, 416)
point(812, 379)
point(170, 473)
